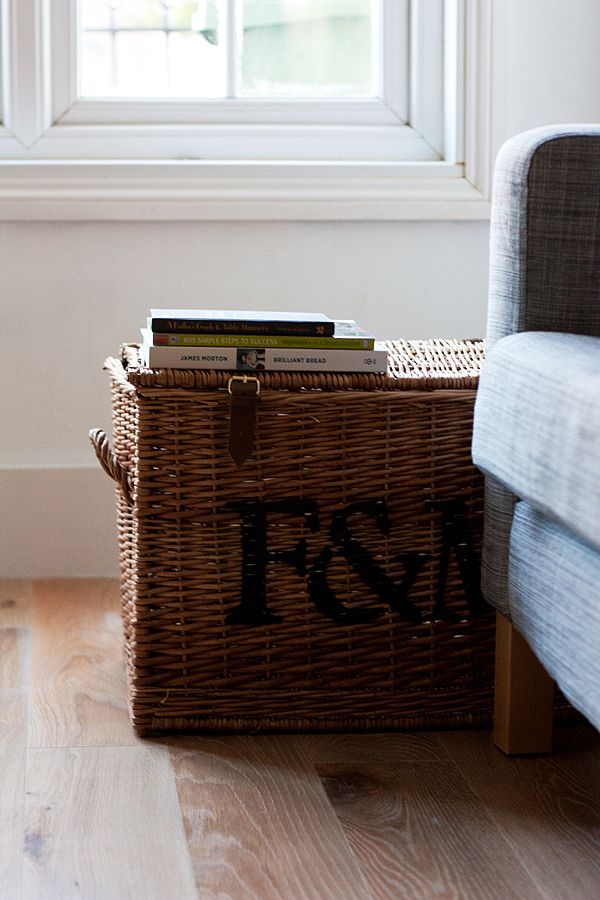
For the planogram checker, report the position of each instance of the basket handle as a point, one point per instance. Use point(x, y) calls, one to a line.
point(109, 462)
point(118, 372)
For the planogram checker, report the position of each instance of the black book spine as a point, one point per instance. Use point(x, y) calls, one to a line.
point(241, 327)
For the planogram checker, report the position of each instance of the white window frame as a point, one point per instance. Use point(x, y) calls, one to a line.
point(67, 158)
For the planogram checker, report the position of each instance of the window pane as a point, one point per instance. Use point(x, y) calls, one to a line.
point(151, 48)
point(300, 48)
point(177, 48)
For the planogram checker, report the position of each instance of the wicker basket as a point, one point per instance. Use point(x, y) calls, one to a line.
point(330, 582)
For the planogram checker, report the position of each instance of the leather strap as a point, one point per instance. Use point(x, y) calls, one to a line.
point(244, 393)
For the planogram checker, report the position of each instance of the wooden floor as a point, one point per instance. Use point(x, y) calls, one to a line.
point(89, 811)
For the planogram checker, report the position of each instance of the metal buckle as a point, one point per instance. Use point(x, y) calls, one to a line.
point(245, 379)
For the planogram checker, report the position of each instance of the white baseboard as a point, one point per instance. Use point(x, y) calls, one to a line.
point(57, 523)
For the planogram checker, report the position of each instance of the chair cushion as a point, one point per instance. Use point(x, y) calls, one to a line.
point(554, 604)
point(537, 425)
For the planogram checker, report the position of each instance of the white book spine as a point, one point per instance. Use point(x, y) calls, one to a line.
point(269, 359)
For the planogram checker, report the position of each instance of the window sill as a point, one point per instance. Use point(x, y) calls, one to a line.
point(199, 191)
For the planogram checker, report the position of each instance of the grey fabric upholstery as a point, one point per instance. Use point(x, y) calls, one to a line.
point(499, 504)
point(545, 234)
point(544, 273)
point(554, 579)
point(537, 415)
point(538, 425)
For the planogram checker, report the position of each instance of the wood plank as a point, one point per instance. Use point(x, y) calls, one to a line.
point(13, 729)
point(419, 831)
point(104, 824)
point(86, 604)
point(548, 807)
point(363, 749)
point(14, 658)
point(258, 822)
point(16, 602)
point(15, 641)
point(78, 682)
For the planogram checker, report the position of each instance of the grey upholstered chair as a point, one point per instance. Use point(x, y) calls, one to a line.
point(537, 431)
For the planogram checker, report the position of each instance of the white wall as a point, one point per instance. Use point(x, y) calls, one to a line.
point(71, 292)
point(75, 291)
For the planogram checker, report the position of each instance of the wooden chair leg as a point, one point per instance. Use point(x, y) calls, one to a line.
point(524, 695)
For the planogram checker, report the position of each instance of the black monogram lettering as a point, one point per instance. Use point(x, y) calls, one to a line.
point(253, 609)
point(395, 596)
point(256, 556)
point(456, 535)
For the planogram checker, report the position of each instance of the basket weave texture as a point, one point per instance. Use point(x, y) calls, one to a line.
point(330, 582)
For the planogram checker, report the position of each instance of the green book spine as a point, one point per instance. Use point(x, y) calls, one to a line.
point(263, 340)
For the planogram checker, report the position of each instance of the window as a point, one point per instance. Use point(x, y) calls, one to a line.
point(269, 108)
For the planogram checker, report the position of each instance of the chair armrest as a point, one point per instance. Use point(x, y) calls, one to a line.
point(545, 233)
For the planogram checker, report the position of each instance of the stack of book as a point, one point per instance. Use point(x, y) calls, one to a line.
point(254, 341)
